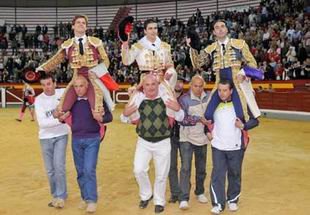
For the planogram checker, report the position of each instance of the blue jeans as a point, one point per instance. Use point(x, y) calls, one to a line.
point(54, 155)
point(187, 150)
point(85, 154)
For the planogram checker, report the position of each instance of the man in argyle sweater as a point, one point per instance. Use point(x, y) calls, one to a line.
point(153, 129)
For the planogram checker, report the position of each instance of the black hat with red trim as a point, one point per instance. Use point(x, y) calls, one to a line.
point(125, 28)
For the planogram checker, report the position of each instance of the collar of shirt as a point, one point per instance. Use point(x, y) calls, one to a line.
point(76, 39)
point(227, 102)
point(223, 105)
point(149, 45)
point(224, 42)
point(221, 43)
point(147, 98)
point(82, 98)
point(194, 97)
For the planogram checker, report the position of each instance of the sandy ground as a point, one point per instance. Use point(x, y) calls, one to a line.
point(275, 172)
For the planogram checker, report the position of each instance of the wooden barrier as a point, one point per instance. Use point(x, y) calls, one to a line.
point(288, 95)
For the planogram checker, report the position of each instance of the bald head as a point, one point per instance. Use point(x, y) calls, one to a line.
point(80, 86)
point(197, 84)
point(149, 77)
point(150, 86)
point(197, 78)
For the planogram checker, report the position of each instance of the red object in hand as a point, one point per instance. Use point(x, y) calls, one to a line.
point(128, 28)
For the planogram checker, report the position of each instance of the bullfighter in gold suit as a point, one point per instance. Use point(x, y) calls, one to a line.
point(230, 59)
point(85, 54)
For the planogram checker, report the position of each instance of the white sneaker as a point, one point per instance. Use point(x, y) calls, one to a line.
point(202, 198)
point(91, 207)
point(82, 205)
point(233, 206)
point(216, 210)
point(184, 205)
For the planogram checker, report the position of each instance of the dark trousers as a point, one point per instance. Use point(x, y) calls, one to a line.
point(173, 173)
point(230, 163)
point(187, 150)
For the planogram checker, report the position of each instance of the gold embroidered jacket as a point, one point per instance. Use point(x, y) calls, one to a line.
point(94, 53)
point(147, 59)
point(237, 51)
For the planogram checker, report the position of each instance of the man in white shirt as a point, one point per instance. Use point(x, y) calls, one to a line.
point(153, 129)
point(228, 139)
point(53, 137)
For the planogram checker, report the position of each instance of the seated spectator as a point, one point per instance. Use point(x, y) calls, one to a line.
point(270, 88)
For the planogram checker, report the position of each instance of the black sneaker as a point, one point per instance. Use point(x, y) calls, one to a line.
point(159, 209)
point(173, 199)
point(143, 203)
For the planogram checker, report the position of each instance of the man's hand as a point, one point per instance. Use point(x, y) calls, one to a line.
point(129, 109)
point(132, 90)
point(209, 135)
point(173, 104)
point(92, 75)
point(57, 113)
point(168, 76)
point(240, 78)
point(98, 114)
point(63, 116)
point(125, 45)
point(239, 124)
point(204, 121)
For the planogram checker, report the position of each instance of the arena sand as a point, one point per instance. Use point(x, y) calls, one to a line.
point(276, 172)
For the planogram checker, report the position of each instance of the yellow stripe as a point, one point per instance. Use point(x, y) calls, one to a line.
point(222, 105)
point(275, 86)
point(208, 86)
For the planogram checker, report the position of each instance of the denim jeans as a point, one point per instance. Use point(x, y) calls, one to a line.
point(85, 155)
point(54, 155)
point(187, 149)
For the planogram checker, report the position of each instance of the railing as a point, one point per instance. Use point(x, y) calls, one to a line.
point(287, 95)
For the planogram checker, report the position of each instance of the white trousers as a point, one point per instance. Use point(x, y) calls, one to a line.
point(160, 152)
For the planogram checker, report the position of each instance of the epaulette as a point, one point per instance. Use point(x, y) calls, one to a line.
point(138, 45)
point(165, 45)
point(210, 48)
point(67, 44)
point(94, 41)
point(237, 43)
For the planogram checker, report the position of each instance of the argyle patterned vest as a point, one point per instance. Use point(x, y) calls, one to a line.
point(153, 125)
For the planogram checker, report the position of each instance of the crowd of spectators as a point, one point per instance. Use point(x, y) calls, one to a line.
point(277, 32)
